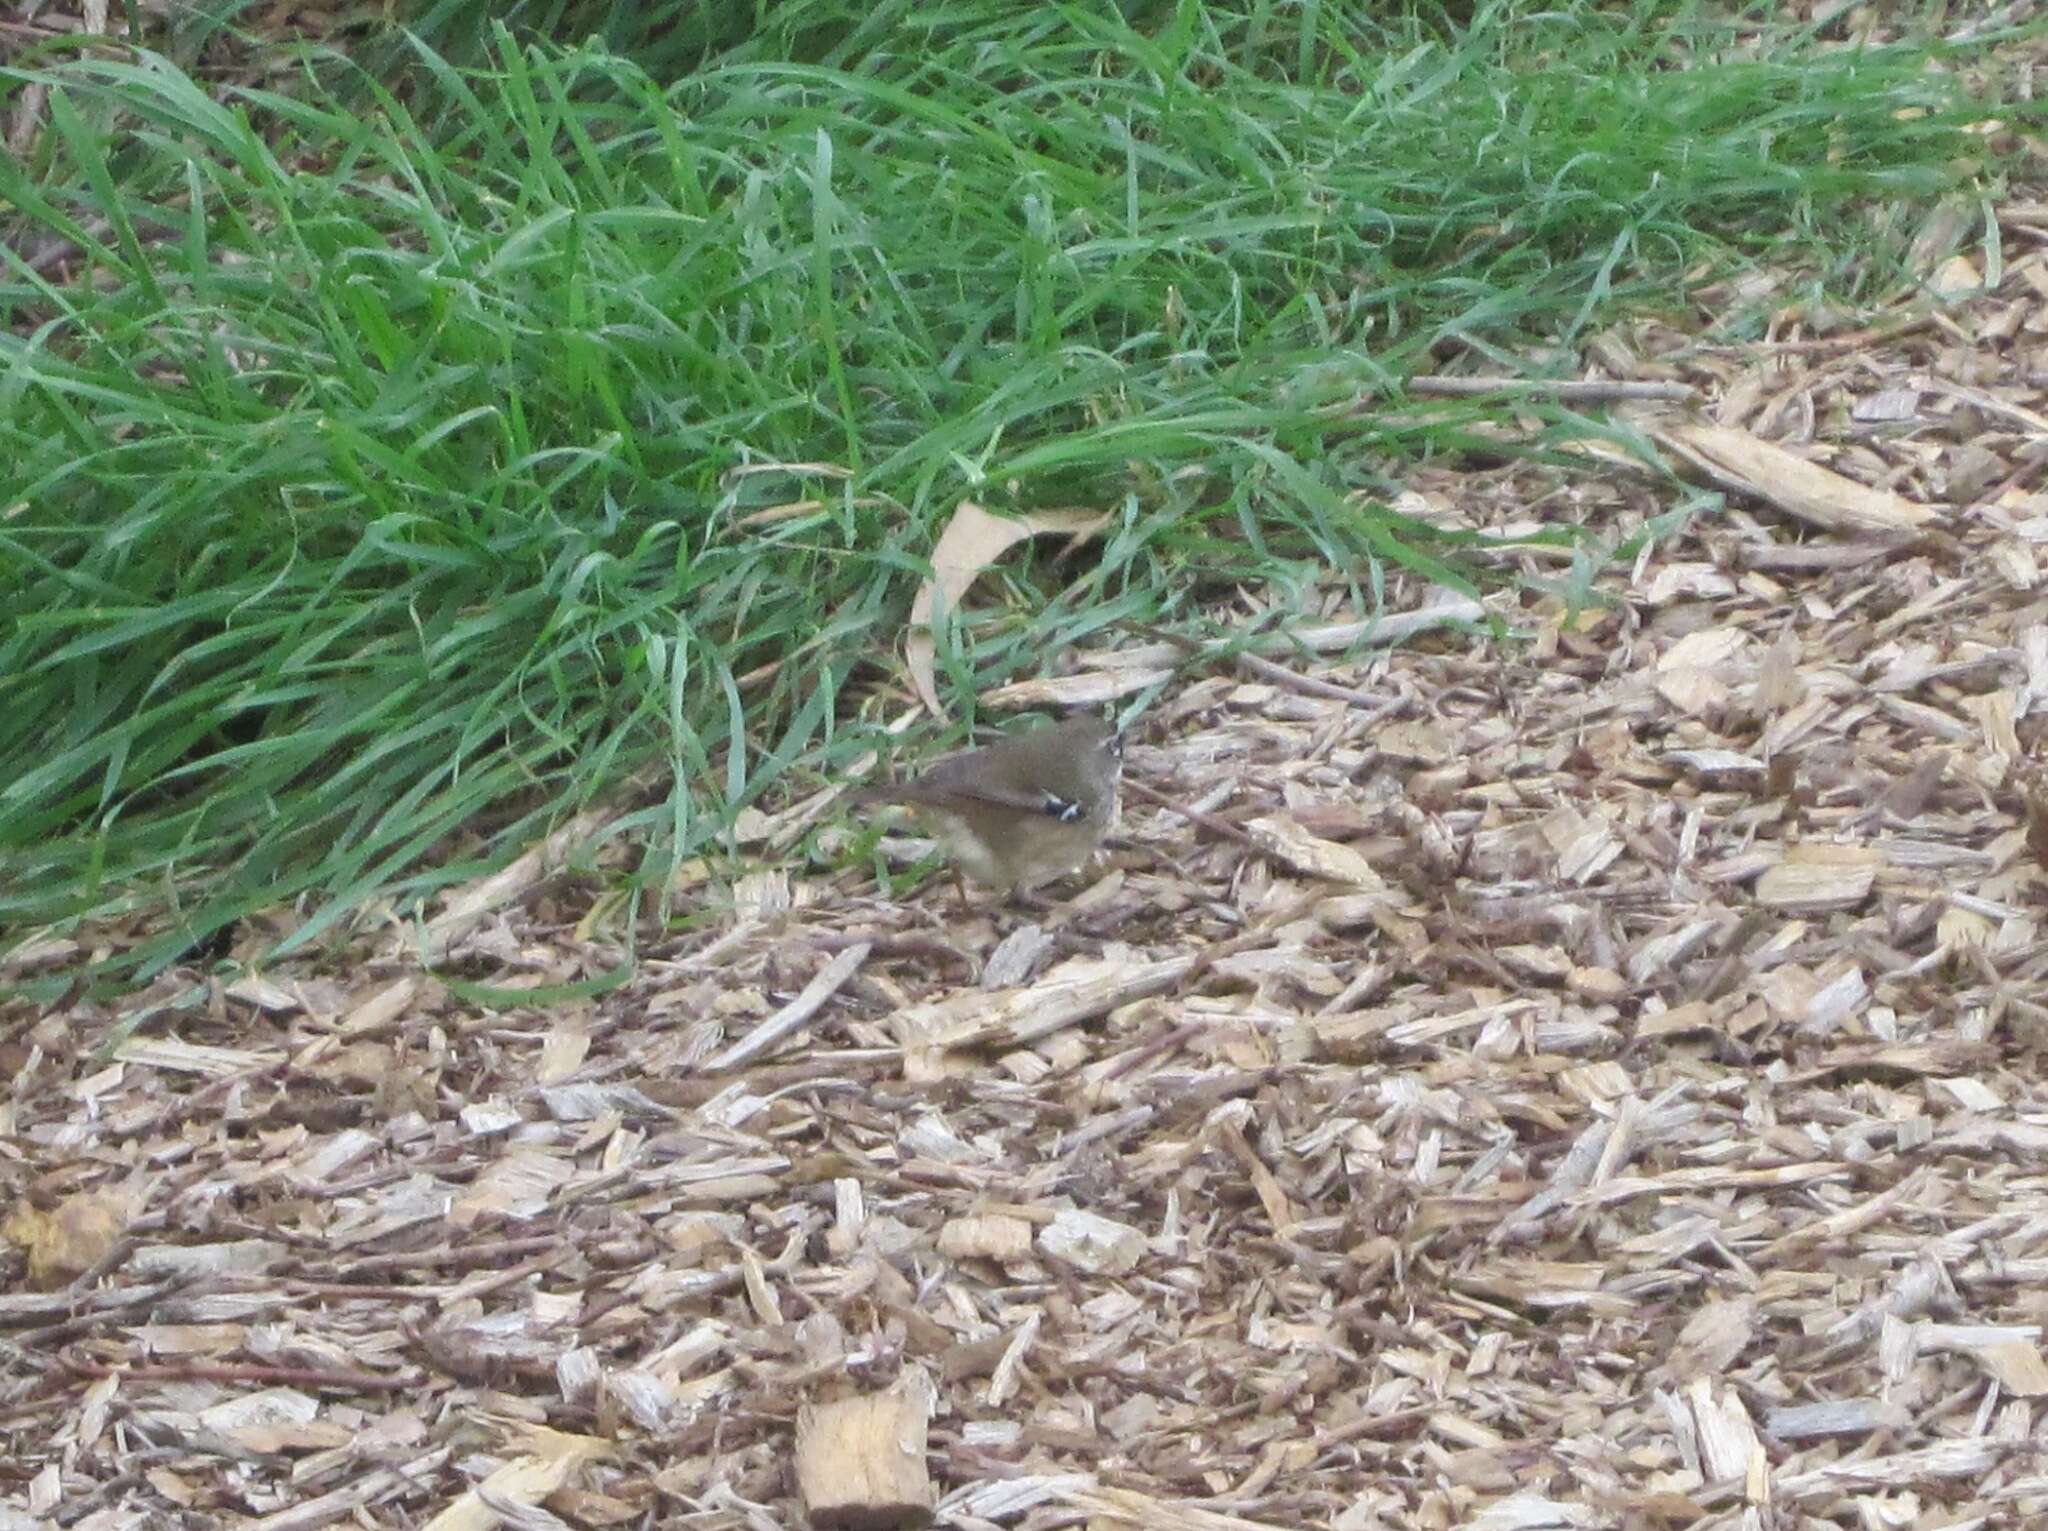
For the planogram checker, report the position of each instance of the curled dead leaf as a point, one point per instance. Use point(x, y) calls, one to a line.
point(69, 1240)
point(973, 540)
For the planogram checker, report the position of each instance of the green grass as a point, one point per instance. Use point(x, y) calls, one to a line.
point(368, 501)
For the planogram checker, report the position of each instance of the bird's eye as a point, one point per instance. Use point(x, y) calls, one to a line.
point(1064, 809)
point(1113, 746)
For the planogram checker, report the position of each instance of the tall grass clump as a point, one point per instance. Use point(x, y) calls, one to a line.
point(394, 460)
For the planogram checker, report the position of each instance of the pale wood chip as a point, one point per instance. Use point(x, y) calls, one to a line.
point(1712, 1338)
point(1092, 1243)
point(1840, 1416)
point(465, 910)
point(264, 994)
point(36, 954)
point(191, 1057)
point(1284, 838)
point(989, 1237)
point(793, 1016)
point(1812, 878)
point(1073, 992)
point(380, 1007)
point(1799, 487)
point(860, 1462)
point(1946, 1459)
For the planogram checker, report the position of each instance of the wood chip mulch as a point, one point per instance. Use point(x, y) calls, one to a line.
point(1593, 1082)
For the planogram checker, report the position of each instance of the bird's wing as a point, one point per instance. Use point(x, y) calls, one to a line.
point(1002, 776)
point(945, 794)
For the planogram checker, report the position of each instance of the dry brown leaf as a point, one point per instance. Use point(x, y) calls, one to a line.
point(1419, 743)
point(69, 1240)
point(562, 1054)
point(974, 539)
point(2017, 1365)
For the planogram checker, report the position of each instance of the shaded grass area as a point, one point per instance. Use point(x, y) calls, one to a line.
point(371, 489)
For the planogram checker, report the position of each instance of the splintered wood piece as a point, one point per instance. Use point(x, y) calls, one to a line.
point(1796, 485)
point(1280, 837)
point(860, 1461)
point(1812, 878)
point(993, 1237)
point(1077, 990)
point(792, 1016)
point(551, 1460)
point(1092, 1243)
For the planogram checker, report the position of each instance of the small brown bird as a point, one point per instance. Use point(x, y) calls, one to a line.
point(1023, 811)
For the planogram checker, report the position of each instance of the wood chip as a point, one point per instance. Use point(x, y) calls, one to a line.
point(521, 1483)
point(860, 1462)
point(1799, 487)
point(1287, 840)
point(1813, 878)
point(792, 1017)
point(1098, 1245)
